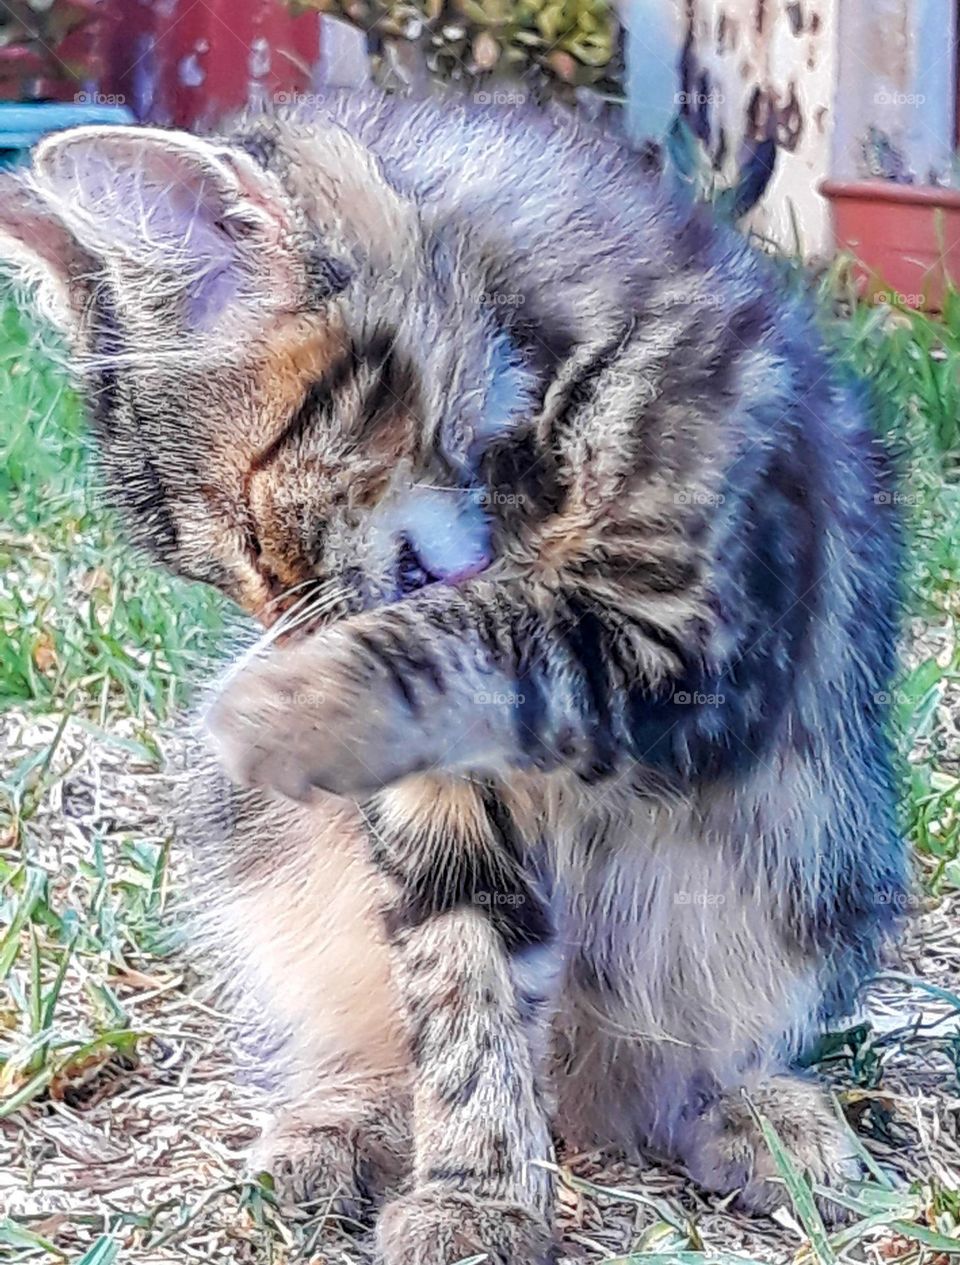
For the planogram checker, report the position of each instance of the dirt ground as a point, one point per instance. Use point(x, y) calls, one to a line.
point(149, 1147)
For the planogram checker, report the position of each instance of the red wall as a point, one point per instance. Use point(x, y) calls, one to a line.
point(185, 62)
point(188, 62)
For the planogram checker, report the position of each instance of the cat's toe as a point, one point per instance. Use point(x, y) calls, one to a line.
point(728, 1153)
point(437, 1227)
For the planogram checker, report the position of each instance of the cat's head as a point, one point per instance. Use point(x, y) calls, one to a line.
point(291, 376)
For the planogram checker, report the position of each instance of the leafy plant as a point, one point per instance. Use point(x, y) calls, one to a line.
point(41, 46)
point(552, 45)
point(689, 165)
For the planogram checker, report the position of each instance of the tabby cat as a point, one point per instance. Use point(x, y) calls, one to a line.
point(558, 803)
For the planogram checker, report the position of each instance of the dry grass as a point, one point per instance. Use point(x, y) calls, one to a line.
point(144, 1144)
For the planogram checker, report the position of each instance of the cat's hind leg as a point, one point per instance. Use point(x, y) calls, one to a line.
point(689, 1000)
point(723, 1148)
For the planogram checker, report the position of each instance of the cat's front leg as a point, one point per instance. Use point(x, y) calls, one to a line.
point(428, 684)
point(477, 971)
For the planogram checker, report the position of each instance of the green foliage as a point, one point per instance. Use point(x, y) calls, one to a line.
point(549, 46)
point(911, 361)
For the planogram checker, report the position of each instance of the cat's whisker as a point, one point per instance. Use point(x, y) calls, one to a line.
point(311, 582)
point(310, 615)
point(267, 639)
point(314, 605)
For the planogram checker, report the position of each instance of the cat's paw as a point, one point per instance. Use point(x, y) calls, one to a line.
point(727, 1151)
point(298, 720)
point(437, 1227)
point(317, 1166)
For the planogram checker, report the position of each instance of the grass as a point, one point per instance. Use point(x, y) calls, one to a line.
point(92, 641)
point(83, 621)
point(87, 634)
point(97, 650)
point(912, 363)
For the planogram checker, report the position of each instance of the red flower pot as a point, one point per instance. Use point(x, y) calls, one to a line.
point(905, 237)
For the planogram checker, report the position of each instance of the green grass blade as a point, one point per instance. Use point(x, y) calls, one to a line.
point(27, 1092)
point(10, 942)
point(929, 1238)
point(14, 1235)
point(103, 1252)
point(800, 1194)
point(876, 1171)
point(53, 993)
point(924, 986)
point(36, 985)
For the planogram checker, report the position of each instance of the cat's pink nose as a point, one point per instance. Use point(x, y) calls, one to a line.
point(476, 567)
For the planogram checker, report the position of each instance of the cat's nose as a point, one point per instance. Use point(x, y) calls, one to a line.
point(411, 573)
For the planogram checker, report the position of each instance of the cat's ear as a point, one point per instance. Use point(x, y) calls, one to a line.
point(39, 250)
point(180, 218)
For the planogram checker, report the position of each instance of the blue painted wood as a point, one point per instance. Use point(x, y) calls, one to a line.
point(21, 126)
point(653, 46)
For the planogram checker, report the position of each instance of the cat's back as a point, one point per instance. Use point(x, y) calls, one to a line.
point(476, 155)
point(568, 219)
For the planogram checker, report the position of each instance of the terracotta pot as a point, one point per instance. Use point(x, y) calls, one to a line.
point(906, 237)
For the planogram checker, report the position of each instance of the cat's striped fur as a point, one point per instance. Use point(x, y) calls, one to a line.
point(596, 654)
